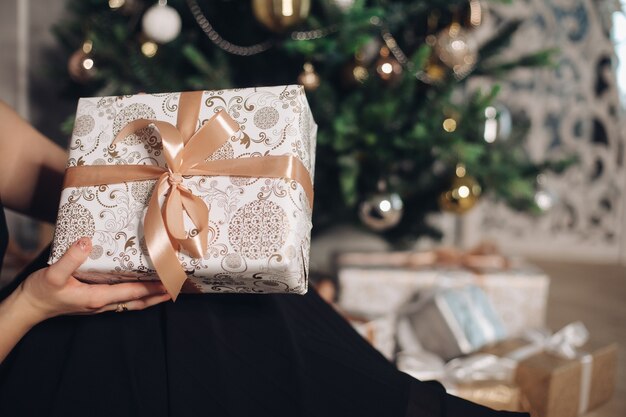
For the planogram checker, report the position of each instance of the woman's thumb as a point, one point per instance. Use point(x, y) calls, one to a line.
point(71, 260)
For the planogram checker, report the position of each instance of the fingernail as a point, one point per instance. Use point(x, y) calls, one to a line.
point(84, 243)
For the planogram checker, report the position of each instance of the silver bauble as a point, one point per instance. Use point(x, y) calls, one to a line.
point(381, 211)
point(161, 23)
point(498, 123)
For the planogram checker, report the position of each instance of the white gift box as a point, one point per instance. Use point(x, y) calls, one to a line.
point(518, 294)
point(258, 227)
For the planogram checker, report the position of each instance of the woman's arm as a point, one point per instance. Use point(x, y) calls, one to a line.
point(31, 174)
point(31, 167)
point(53, 291)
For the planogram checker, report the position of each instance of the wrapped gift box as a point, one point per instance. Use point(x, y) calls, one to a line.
point(454, 321)
point(380, 333)
point(374, 284)
point(480, 378)
point(493, 394)
point(257, 236)
point(557, 386)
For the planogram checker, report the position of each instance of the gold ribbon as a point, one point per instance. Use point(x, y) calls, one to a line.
point(185, 151)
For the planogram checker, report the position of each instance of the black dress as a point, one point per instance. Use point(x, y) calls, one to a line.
point(211, 355)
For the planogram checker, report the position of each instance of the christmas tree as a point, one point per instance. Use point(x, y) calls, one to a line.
point(400, 135)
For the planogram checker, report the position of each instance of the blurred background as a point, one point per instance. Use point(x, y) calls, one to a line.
point(490, 128)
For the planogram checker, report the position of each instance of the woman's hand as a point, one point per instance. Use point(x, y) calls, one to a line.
point(53, 291)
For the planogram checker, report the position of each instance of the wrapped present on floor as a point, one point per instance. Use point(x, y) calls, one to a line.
point(480, 378)
point(211, 191)
point(373, 284)
point(380, 333)
point(561, 375)
point(454, 321)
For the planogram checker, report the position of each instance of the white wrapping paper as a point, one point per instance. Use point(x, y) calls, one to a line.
point(259, 234)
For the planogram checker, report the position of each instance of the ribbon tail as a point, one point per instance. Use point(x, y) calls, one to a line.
point(198, 212)
point(159, 244)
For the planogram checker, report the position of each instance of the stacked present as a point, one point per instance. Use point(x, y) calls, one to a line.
point(209, 191)
point(475, 321)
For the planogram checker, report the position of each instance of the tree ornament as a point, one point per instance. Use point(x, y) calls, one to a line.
point(497, 123)
point(463, 193)
point(457, 50)
point(81, 65)
point(116, 4)
point(354, 73)
point(343, 5)
point(309, 78)
point(476, 13)
point(280, 15)
point(161, 23)
point(126, 7)
point(387, 67)
point(381, 211)
point(545, 197)
point(149, 48)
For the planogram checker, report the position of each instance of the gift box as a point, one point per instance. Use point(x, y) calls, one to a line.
point(380, 333)
point(454, 321)
point(561, 375)
point(480, 378)
point(493, 394)
point(374, 284)
point(210, 190)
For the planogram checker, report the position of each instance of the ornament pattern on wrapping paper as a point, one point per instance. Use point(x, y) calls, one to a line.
point(273, 263)
point(74, 221)
point(83, 125)
point(258, 229)
point(130, 113)
point(266, 118)
point(142, 190)
point(223, 152)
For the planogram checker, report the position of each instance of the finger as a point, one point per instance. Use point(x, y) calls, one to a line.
point(60, 271)
point(140, 304)
point(103, 294)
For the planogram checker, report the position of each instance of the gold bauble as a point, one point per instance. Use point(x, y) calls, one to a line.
point(81, 66)
point(280, 15)
point(462, 195)
point(354, 73)
point(387, 67)
point(309, 78)
point(457, 50)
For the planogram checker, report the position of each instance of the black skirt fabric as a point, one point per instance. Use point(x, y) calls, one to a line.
point(214, 355)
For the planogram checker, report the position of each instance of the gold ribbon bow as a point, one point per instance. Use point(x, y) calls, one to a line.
point(185, 151)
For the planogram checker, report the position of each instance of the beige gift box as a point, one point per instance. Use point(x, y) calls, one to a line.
point(258, 228)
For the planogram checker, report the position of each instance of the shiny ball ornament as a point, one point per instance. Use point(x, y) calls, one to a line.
point(457, 50)
point(381, 211)
point(161, 23)
point(354, 73)
point(280, 15)
point(475, 13)
point(149, 49)
point(498, 123)
point(309, 78)
point(81, 66)
point(387, 67)
point(545, 197)
point(116, 4)
point(343, 5)
point(462, 195)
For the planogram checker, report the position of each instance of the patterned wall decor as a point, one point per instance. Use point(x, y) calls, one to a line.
point(574, 108)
